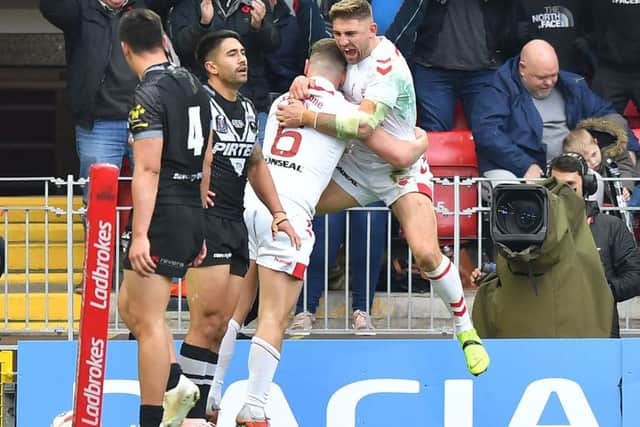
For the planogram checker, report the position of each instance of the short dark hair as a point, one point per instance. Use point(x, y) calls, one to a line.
point(328, 50)
point(569, 163)
point(141, 29)
point(351, 9)
point(211, 41)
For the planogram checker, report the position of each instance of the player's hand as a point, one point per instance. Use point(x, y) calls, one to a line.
point(300, 88)
point(626, 195)
point(199, 259)
point(533, 172)
point(208, 200)
point(140, 256)
point(286, 227)
point(476, 276)
point(206, 12)
point(258, 11)
point(289, 114)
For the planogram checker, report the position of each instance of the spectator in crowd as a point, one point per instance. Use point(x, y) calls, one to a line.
point(300, 25)
point(562, 23)
point(581, 141)
point(458, 46)
point(615, 244)
point(101, 85)
point(618, 251)
point(522, 117)
point(252, 19)
point(615, 41)
point(364, 282)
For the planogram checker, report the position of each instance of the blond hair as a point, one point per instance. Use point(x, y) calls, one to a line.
point(578, 141)
point(351, 9)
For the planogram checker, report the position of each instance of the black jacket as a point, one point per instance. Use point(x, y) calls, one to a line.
point(619, 255)
point(186, 31)
point(88, 45)
point(614, 34)
point(418, 23)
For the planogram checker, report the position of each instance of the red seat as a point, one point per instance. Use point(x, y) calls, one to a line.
point(454, 154)
point(633, 115)
point(636, 132)
point(459, 118)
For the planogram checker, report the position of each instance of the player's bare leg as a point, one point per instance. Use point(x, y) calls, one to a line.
point(335, 199)
point(278, 294)
point(208, 315)
point(241, 295)
point(417, 218)
point(142, 303)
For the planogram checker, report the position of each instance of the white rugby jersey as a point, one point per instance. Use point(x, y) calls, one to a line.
point(302, 160)
point(384, 77)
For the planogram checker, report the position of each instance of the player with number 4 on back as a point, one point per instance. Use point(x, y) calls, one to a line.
point(168, 217)
point(235, 157)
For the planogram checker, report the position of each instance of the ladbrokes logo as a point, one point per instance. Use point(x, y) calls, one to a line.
point(101, 274)
point(93, 390)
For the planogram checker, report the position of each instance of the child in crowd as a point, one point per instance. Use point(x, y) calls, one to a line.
point(610, 143)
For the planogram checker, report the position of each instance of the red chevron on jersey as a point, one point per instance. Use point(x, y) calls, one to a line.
point(384, 71)
point(384, 61)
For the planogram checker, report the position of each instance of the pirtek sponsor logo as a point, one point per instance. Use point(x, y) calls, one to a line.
point(233, 149)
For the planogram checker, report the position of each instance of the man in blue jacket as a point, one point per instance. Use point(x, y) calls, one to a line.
point(100, 83)
point(521, 118)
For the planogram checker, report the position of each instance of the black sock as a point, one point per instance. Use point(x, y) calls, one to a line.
point(150, 415)
point(196, 364)
point(174, 376)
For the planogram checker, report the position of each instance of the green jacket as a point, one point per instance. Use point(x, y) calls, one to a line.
point(556, 290)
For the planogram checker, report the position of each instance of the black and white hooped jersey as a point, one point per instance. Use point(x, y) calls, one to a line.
point(235, 133)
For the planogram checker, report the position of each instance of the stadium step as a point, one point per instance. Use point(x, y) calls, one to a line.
point(35, 208)
point(14, 307)
point(17, 233)
point(56, 279)
point(16, 256)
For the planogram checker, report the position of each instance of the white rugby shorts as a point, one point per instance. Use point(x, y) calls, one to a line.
point(279, 254)
point(368, 182)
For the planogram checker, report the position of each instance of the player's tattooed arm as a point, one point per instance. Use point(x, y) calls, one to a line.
point(206, 194)
point(147, 154)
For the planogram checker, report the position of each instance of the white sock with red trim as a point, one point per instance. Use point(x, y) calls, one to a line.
point(445, 281)
point(263, 361)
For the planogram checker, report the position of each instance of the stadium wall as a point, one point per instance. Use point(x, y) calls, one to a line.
point(388, 382)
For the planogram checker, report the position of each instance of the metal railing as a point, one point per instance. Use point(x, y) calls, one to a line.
point(39, 289)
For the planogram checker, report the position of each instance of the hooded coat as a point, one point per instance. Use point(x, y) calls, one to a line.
point(556, 290)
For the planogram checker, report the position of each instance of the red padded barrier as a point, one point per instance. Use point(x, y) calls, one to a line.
point(450, 154)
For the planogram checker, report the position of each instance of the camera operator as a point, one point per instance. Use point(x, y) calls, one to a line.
point(548, 281)
point(617, 249)
point(618, 252)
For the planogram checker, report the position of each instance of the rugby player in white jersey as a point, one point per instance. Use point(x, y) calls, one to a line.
point(379, 80)
point(301, 162)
